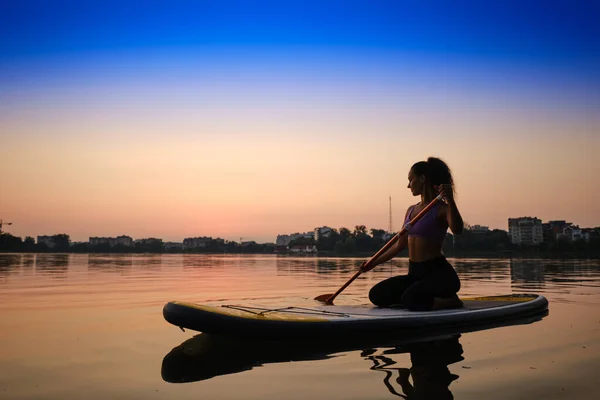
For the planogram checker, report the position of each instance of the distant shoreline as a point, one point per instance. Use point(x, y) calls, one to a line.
point(326, 254)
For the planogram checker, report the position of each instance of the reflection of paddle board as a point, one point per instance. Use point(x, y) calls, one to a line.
point(206, 356)
point(240, 320)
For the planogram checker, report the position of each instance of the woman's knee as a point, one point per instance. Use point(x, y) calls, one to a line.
point(452, 278)
point(387, 292)
point(378, 295)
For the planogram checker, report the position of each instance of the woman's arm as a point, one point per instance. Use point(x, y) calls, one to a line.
point(455, 221)
point(399, 245)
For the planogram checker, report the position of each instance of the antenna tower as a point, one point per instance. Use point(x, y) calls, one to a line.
point(390, 227)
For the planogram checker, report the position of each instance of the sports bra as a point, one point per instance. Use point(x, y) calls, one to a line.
point(427, 227)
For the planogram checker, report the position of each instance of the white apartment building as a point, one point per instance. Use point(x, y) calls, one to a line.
point(192, 243)
point(525, 230)
point(47, 240)
point(112, 242)
point(284, 240)
point(573, 232)
point(323, 231)
point(148, 241)
point(173, 246)
point(305, 249)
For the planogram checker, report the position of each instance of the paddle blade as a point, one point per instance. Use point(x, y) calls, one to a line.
point(324, 297)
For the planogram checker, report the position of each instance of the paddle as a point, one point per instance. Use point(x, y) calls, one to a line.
point(328, 298)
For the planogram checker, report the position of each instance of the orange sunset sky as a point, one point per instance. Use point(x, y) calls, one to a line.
point(279, 128)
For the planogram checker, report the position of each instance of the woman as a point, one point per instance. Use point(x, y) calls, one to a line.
point(431, 282)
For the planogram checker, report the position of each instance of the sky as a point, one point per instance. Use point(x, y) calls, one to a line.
point(249, 119)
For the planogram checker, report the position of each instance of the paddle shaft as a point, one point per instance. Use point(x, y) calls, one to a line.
point(387, 246)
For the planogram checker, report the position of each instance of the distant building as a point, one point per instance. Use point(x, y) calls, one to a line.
point(52, 241)
point(573, 232)
point(203, 241)
point(552, 229)
point(173, 246)
point(47, 240)
point(192, 243)
point(149, 242)
point(525, 231)
point(479, 229)
point(280, 249)
point(323, 231)
point(387, 236)
point(591, 232)
point(123, 240)
point(303, 249)
point(284, 240)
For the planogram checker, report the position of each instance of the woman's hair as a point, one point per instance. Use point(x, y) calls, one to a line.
point(436, 172)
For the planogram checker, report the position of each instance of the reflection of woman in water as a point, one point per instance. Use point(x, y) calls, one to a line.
point(431, 377)
point(431, 282)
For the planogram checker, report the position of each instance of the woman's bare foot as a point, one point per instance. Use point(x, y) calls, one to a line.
point(441, 303)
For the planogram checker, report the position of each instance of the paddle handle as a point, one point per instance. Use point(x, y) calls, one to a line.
point(387, 246)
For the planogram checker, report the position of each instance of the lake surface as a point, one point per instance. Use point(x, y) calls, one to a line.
point(76, 326)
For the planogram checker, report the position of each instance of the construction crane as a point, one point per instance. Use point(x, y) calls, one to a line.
point(5, 223)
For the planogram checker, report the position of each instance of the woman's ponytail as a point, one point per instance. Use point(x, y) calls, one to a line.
point(436, 172)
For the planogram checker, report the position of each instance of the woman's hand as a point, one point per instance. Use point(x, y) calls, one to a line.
point(446, 191)
point(365, 268)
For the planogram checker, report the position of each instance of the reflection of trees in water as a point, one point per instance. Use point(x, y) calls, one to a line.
point(573, 268)
point(28, 261)
point(558, 271)
point(481, 269)
point(474, 269)
point(9, 263)
point(325, 266)
point(147, 261)
point(192, 261)
point(55, 264)
point(109, 263)
point(298, 266)
point(527, 274)
point(290, 264)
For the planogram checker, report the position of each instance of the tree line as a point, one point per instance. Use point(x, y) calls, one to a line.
point(62, 244)
point(469, 242)
point(344, 241)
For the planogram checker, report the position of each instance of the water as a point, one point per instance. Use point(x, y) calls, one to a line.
point(90, 326)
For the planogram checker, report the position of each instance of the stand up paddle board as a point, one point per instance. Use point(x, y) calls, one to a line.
point(287, 322)
point(206, 355)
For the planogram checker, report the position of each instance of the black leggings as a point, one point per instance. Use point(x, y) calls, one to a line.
point(415, 291)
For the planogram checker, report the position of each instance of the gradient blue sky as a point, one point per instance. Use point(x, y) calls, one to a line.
point(105, 104)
